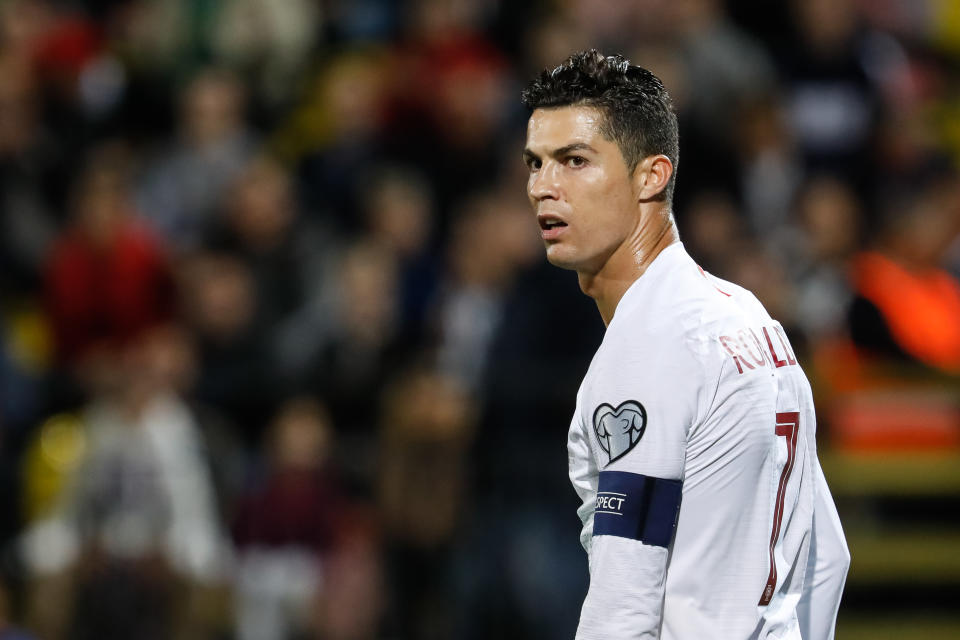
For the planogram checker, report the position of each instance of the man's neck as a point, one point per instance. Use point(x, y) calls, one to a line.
point(627, 263)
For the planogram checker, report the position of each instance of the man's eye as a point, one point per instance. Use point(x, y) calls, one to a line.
point(533, 164)
point(576, 161)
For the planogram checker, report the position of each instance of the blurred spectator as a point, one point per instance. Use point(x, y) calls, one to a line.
point(551, 38)
point(714, 232)
point(219, 304)
point(50, 462)
point(832, 102)
point(287, 526)
point(23, 364)
point(907, 306)
point(25, 359)
point(426, 429)
point(107, 277)
point(725, 65)
point(336, 134)
point(711, 68)
point(66, 48)
point(165, 37)
point(829, 218)
point(453, 97)
point(365, 346)
point(352, 604)
point(908, 148)
point(182, 189)
point(755, 267)
point(259, 227)
point(24, 22)
point(400, 213)
point(470, 306)
point(288, 256)
point(30, 179)
point(770, 169)
point(138, 524)
point(268, 39)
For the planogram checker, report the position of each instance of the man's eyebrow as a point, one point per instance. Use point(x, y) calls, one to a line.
point(576, 146)
point(562, 151)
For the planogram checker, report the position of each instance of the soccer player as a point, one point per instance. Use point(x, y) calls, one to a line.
point(705, 512)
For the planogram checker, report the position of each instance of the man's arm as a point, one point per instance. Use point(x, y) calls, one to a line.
point(637, 417)
point(583, 473)
point(633, 529)
point(826, 568)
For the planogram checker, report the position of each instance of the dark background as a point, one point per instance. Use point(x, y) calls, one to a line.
point(280, 356)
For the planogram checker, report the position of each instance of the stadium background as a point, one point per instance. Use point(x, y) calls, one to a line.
point(280, 356)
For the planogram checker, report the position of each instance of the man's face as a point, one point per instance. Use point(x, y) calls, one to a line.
point(580, 187)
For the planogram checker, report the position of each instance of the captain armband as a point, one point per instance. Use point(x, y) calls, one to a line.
point(638, 507)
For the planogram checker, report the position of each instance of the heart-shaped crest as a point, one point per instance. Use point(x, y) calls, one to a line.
point(619, 429)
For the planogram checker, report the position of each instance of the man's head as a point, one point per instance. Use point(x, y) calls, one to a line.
point(636, 110)
point(601, 141)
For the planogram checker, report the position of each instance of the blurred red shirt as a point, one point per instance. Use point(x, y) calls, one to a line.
point(106, 293)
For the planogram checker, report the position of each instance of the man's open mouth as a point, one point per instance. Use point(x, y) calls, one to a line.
point(551, 223)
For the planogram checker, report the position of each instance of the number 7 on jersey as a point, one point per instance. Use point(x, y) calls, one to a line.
point(788, 425)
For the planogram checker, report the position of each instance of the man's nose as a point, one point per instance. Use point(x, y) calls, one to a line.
point(543, 184)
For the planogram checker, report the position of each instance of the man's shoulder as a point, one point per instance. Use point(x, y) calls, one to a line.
point(682, 303)
point(674, 335)
point(683, 316)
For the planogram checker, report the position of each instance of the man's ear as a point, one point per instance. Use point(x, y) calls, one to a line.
point(651, 177)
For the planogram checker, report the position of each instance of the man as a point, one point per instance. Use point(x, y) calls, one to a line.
point(705, 512)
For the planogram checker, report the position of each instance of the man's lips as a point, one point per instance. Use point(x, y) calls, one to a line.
point(551, 225)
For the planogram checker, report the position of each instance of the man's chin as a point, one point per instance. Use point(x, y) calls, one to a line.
point(559, 258)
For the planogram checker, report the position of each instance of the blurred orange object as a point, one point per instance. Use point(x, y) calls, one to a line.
point(901, 420)
point(922, 308)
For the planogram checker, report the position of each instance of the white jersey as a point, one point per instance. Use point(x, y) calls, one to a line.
point(705, 512)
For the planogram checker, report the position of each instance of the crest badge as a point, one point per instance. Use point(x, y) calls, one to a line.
point(619, 429)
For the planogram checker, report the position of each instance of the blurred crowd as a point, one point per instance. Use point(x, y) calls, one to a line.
point(280, 357)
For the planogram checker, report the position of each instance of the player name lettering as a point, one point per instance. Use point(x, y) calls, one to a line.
point(751, 349)
point(609, 503)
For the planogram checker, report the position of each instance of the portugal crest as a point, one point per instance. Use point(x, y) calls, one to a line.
point(619, 429)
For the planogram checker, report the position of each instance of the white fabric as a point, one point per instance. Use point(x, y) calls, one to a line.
point(143, 488)
point(692, 350)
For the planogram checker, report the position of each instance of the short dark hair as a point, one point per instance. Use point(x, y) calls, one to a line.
point(636, 107)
